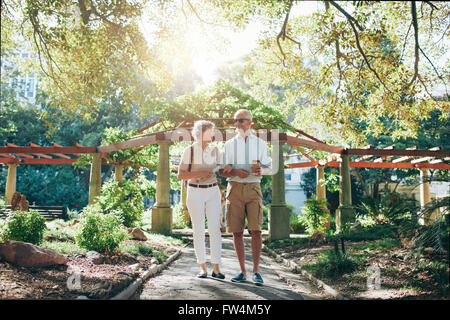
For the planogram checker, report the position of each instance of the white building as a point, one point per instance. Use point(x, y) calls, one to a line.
point(295, 196)
point(25, 84)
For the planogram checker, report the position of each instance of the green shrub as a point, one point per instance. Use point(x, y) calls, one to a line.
point(179, 220)
point(3, 203)
point(265, 225)
point(125, 198)
point(391, 208)
point(100, 232)
point(26, 226)
point(314, 217)
point(296, 223)
point(332, 265)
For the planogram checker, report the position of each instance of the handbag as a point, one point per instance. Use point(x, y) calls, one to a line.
point(189, 167)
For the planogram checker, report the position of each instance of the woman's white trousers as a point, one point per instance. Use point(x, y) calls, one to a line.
point(201, 201)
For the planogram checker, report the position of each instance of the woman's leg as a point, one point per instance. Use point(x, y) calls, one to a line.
point(215, 235)
point(196, 206)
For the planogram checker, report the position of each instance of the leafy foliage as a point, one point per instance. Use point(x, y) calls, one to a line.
point(26, 226)
point(332, 264)
point(342, 73)
point(98, 231)
point(392, 208)
point(314, 216)
point(124, 198)
point(89, 51)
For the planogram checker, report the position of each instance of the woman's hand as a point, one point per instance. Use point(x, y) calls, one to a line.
point(205, 174)
point(227, 168)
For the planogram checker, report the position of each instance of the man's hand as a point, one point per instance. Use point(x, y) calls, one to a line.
point(241, 173)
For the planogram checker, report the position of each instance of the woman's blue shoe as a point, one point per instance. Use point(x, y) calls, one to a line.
point(239, 278)
point(257, 279)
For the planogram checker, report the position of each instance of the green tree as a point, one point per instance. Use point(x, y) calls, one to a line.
point(349, 62)
point(88, 51)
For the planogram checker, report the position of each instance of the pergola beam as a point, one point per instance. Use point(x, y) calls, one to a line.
point(404, 165)
point(47, 150)
point(412, 153)
point(313, 145)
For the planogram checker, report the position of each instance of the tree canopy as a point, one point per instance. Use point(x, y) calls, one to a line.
point(338, 73)
point(350, 64)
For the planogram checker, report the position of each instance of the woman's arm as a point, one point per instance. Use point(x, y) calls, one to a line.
point(186, 175)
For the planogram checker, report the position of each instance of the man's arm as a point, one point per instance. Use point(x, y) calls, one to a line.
point(241, 173)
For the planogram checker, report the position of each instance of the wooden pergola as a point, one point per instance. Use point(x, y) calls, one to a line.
point(410, 158)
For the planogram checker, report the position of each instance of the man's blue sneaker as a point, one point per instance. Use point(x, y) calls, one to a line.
point(239, 278)
point(257, 279)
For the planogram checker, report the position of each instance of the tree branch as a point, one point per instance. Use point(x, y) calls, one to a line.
point(416, 42)
point(431, 5)
point(435, 70)
point(283, 32)
point(200, 19)
point(404, 43)
point(364, 55)
point(346, 14)
point(102, 17)
point(85, 14)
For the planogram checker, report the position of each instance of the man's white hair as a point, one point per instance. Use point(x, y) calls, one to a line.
point(199, 127)
point(247, 113)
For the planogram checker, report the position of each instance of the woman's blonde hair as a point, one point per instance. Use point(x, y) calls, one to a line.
point(201, 126)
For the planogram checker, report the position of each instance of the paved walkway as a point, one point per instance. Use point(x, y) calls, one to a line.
point(178, 282)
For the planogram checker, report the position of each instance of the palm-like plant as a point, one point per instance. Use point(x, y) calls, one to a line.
point(391, 208)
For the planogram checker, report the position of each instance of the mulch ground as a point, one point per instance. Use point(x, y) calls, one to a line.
point(399, 275)
point(79, 277)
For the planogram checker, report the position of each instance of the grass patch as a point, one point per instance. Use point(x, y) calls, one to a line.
point(332, 265)
point(175, 240)
point(375, 232)
point(380, 245)
point(138, 249)
point(60, 228)
point(63, 247)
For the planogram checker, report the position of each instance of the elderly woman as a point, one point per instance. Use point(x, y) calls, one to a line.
point(197, 166)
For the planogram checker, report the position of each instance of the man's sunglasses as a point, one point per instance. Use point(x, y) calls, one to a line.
point(240, 120)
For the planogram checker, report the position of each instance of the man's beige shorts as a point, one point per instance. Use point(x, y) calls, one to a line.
point(244, 198)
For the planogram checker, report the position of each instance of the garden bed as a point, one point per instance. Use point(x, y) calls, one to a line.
point(96, 281)
point(402, 275)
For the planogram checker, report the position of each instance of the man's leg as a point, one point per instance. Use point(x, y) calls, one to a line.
point(238, 239)
point(256, 249)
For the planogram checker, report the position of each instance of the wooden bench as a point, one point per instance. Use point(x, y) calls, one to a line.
point(48, 212)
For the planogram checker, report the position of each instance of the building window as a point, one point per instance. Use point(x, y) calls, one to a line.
point(288, 176)
point(30, 87)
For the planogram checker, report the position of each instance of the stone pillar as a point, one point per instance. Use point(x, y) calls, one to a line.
point(425, 196)
point(162, 212)
point(321, 193)
point(11, 181)
point(278, 211)
point(118, 172)
point(95, 182)
point(346, 210)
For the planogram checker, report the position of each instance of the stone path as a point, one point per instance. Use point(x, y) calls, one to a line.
point(178, 282)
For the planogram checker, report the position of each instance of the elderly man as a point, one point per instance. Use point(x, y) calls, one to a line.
point(244, 197)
